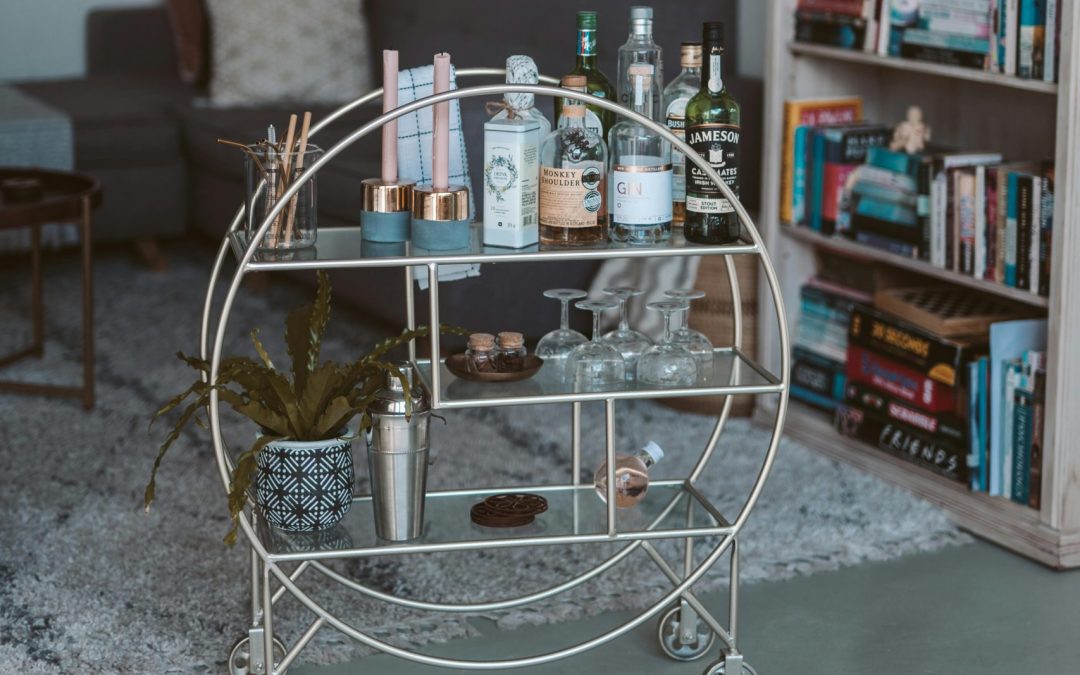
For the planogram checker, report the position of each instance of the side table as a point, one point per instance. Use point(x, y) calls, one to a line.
point(67, 197)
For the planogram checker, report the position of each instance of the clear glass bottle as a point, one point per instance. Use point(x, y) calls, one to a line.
point(573, 167)
point(631, 475)
point(480, 354)
point(510, 352)
point(596, 83)
point(639, 48)
point(676, 95)
point(640, 177)
point(521, 69)
point(712, 130)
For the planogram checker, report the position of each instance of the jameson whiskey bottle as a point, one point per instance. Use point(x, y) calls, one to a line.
point(573, 163)
point(712, 130)
point(640, 191)
point(596, 83)
point(676, 95)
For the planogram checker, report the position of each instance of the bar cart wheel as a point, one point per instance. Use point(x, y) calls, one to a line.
point(675, 644)
point(240, 658)
point(718, 668)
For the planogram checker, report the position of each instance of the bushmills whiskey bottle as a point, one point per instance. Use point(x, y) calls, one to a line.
point(712, 130)
point(573, 176)
point(596, 83)
point(676, 95)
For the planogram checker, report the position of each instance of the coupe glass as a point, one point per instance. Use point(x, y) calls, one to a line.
point(667, 364)
point(630, 343)
point(556, 346)
point(596, 365)
point(695, 341)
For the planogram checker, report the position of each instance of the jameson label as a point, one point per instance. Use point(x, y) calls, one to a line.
point(641, 194)
point(718, 144)
point(586, 42)
point(676, 122)
point(570, 198)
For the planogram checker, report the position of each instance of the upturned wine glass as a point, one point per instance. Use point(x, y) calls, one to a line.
point(630, 343)
point(596, 365)
point(696, 342)
point(555, 347)
point(667, 364)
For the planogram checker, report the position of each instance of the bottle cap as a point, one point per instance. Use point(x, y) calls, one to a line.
point(690, 55)
point(483, 342)
point(641, 12)
point(652, 449)
point(520, 69)
point(586, 20)
point(510, 340)
point(640, 69)
point(712, 34)
point(575, 82)
point(406, 369)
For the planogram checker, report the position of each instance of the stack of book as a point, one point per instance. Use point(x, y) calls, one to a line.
point(880, 207)
point(904, 394)
point(987, 219)
point(1014, 37)
point(820, 349)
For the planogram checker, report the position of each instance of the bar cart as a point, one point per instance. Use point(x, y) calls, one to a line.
point(675, 509)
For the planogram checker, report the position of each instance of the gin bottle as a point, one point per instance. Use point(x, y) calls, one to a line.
point(573, 164)
point(712, 130)
point(639, 48)
point(640, 183)
point(676, 95)
point(596, 83)
point(631, 475)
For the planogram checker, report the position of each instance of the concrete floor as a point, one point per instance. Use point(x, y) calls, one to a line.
point(973, 609)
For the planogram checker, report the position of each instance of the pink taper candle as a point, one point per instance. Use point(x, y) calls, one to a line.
point(440, 152)
point(389, 102)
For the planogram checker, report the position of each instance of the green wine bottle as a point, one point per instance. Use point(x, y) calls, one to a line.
point(596, 83)
point(712, 130)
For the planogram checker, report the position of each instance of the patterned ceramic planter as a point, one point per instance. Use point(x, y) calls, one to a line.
point(304, 486)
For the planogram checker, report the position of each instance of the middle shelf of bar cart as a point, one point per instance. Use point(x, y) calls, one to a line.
point(674, 509)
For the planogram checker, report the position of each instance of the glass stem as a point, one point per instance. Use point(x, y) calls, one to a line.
point(624, 319)
point(667, 327)
point(565, 314)
point(686, 319)
point(595, 326)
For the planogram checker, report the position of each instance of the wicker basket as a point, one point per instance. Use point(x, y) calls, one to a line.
point(713, 316)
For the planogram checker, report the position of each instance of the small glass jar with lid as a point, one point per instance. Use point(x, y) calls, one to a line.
point(480, 354)
point(510, 352)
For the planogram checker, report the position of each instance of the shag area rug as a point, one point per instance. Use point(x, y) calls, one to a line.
point(91, 584)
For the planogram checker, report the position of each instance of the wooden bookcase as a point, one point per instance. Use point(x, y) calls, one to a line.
point(967, 109)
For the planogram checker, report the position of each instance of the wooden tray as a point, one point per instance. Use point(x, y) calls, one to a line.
point(456, 365)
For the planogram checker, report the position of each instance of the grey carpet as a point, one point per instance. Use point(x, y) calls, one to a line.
point(90, 584)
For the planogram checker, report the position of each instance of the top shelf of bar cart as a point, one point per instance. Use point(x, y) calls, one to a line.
point(343, 247)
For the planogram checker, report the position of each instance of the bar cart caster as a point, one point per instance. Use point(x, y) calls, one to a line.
point(243, 660)
point(734, 661)
point(684, 645)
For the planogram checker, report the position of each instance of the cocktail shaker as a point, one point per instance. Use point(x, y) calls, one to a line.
point(397, 450)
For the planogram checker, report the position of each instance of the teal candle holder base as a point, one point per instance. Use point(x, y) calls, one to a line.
point(440, 235)
point(385, 227)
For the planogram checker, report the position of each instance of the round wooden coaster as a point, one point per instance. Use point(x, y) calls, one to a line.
point(518, 503)
point(482, 514)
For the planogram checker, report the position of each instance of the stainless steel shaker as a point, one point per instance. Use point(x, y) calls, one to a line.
point(397, 450)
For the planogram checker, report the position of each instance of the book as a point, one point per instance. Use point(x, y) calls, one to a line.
point(893, 228)
point(1008, 433)
point(809, 112)
point(1050, 39)
point(982, 411)
point(944, 56)
point(845, 149)
point(816, 379)
point(1012, 192)
point(990, 222)
point(980, 238)
point(1046, 224)
point(939, 193)
point(1021, 441)
point(1008, 340)
point(898, 380)
point(950, 41)
point(849, 7)
point(1031, 252)
point(1038, 420)
point(948, 425)
point(930, 355)
point(925, 450)
point(826, 28)
point(964, 220)
point(1008, 28)
point(903, 15)
point(1024, 194)
point(1030, 35)
point(974, 458)
point(905, 249)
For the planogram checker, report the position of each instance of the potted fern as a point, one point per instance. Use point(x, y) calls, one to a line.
point(301, 459)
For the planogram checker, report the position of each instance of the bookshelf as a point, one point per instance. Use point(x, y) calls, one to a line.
point(972, 110)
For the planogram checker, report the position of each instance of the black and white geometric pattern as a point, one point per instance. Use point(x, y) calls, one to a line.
point(303, 487)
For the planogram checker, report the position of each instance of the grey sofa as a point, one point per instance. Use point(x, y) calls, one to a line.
point(146, 136)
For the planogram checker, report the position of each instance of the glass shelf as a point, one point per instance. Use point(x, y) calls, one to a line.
point(733, 373)
point(342, 247)
point(575, 514)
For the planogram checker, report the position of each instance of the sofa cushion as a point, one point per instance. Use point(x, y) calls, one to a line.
point(120, 121)
point(339, 182)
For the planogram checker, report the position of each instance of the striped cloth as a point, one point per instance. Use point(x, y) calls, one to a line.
point(414, 151)
point(35, 134)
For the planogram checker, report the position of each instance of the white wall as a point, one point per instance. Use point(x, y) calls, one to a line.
point(46, 38)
